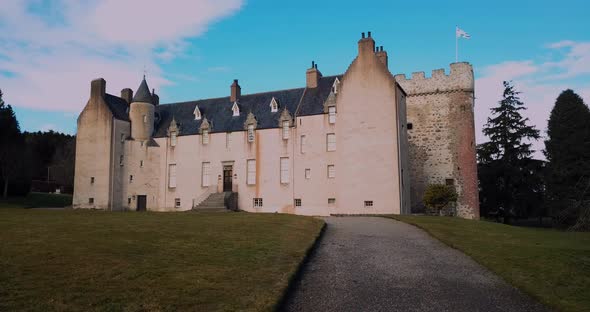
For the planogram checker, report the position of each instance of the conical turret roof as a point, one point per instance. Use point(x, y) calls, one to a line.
point(143, 93)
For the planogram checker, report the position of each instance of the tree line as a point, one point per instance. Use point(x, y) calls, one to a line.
point(514, 185)
point(44, 160)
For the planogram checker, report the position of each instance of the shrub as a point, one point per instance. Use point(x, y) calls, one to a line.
point(439, 196)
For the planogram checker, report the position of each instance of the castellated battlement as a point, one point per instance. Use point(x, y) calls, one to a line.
point(459, 79)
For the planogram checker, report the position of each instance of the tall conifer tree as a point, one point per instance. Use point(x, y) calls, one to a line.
point(506, 160)
point(568, 154)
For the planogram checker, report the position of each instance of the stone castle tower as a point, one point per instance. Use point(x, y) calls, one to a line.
point(441, 134)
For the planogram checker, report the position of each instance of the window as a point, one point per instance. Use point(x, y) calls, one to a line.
point(141, 143)
point(177, 203)
point(121, 160)
point(368, 203)
point(285, 130)
point(197, 113)
point(308, 173)
point(274, 107)
point(331, 142)
point(173, 138)
point(206, 171)
point(303, 143)
point(257, 202)
point(228, 140)
point(331, 172)
point(250, 133)
point(235, 109)
point(130, 178)
point(410, 126)
point(122, 137)
point(331, 201)
point(251, 172)
point(450, 182)
point(144, 118)
point(332, 114)
point(172, 175)
point(129, 201)
point(285, 170)
point(205, 137)
point(297, 202)
point(91, 200)
point(91, 180)
point(141, 164)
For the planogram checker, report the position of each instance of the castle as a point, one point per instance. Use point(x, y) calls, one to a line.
point(364, 142)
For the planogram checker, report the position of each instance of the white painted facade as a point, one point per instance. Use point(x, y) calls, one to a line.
point(350, 158)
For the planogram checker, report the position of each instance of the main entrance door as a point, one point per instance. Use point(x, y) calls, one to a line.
point(227, 178)
point(141, 202)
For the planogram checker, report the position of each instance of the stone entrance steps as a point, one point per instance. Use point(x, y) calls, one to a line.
point(214, 203)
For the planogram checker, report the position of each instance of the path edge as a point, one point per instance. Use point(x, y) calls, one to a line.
point(449, 244)
point(296, 276)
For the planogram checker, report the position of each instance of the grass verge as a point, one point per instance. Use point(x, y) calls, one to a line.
point(37, 200)
point(550, 265)
point(97, 261)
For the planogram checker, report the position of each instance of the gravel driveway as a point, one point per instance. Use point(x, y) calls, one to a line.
point(378, 264)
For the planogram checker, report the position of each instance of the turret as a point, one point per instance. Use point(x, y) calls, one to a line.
point(141, 113)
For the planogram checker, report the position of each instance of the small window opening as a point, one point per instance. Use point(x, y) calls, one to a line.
point(450, 182)
point(368, 203)
point(410, 126)
point(128, 200)
point(91, 180)
point(141, 164)
point(257, 202)
point(331, 201)
point(91, 200)
point(177, 203)
point(130, 178)
point(297, 202)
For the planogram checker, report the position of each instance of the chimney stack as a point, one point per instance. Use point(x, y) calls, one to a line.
point(366, 45)
point(236, 91)
point(382, 55)
point(313, 76)
point(155, 97)
point(127, 95)
point(98, 88)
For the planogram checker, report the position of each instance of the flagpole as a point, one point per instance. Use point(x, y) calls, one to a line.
point(456, 45)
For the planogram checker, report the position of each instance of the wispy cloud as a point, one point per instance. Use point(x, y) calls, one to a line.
point(50, 50)
point(539, 81)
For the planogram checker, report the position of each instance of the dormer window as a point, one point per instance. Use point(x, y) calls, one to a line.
point(286, 130)
point(274, 106)
point(235, 109)
point(173, 138)
point(335, 86)
point(250, 133)
point(197, 113)
point(205, 136)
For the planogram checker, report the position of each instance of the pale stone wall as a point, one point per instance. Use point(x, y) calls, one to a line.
point(368, 158)
point(121, 131)
point(141, 162)
point(93, 154)
point(189, 155)
point(315, 191)
point(442, 141)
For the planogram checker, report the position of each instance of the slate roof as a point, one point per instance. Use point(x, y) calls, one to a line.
point(219, 114)
point(218, 111)
point(313, 100)
point(143, 93)
point(118, 106)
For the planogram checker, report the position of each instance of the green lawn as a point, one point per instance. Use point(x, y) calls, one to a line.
point(36, 200)
point(102, 261)
point(550, 265)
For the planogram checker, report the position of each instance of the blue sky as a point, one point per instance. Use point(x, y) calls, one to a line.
point(51, 49)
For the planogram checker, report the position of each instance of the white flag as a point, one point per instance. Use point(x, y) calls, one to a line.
point(460, 33)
